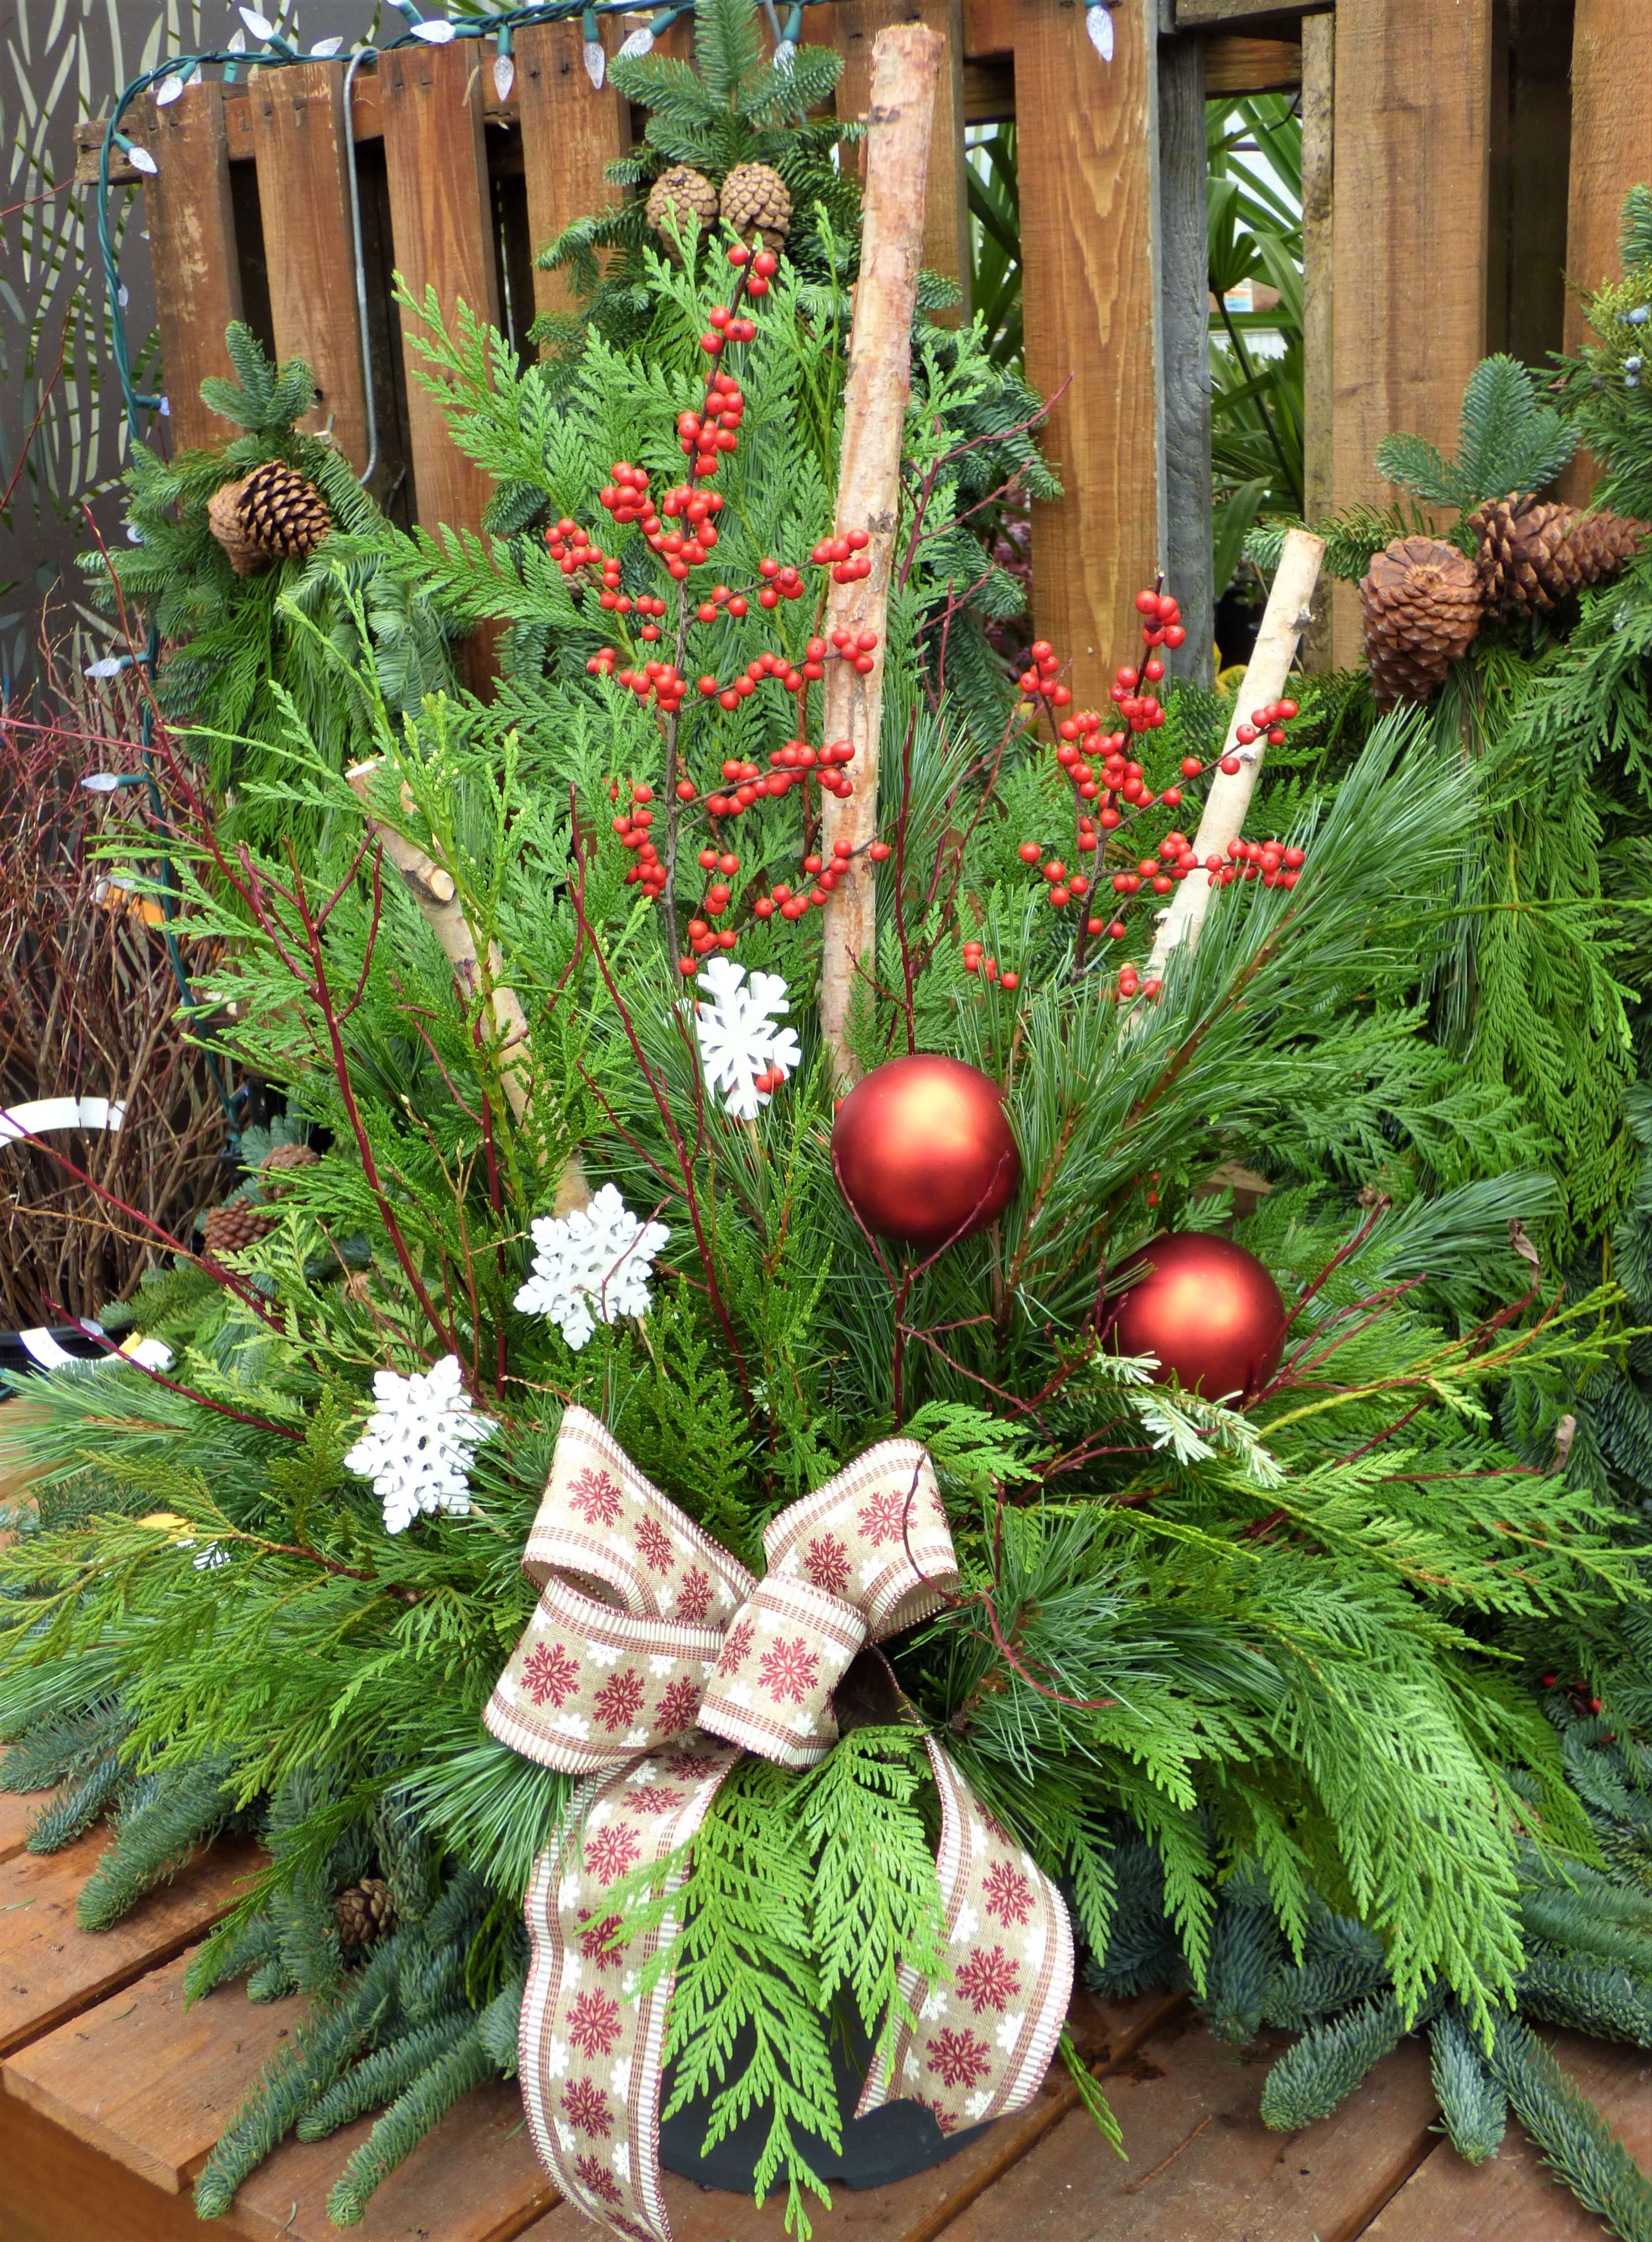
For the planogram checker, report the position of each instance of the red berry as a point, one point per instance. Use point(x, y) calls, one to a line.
point(1146, 603)
point(1229, 764)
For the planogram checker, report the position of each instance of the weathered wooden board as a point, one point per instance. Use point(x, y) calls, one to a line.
point(147, 2081)
point(53, 2190)
point(1202, 2167)
point(442, 219)
point(1319, 85)
point(1185, 327)
point(920, 2208)
point(474, 2179)
point(1513, 2198)
point(1243, 66)
point(18, 1810)
point(1410, 231)
point(855, 25)
point(49, 1969)
point(302, 137)
point(1611, 150)
point(570, 132)
point(192, 234)
point(1088, 225)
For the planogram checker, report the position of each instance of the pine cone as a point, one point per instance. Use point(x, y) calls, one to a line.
point(757, 200)
point(689, 196)
point(1534, 555)
point(229, 1228)
point(283, 514)
point(283, 1160)
point(1422, 604)
point(224, 520)
point(364, 1912)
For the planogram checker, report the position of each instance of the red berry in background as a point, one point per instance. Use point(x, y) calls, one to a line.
point(1174, 634)
point(1009, 981)
point(1030, 852)
point(1285, 710)
point(878, 852)
point(1229, 764)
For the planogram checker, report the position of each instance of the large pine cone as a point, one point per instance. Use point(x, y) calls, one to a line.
point(1422, 604)
point(689, 196)
point(757, 200)
point(364, 1912)
point(1535, 554)
point(283, 512)
point(284, 1159)
point(229, 1229)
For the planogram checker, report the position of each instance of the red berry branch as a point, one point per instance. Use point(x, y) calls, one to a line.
point(1110, 790)
point(680, 528)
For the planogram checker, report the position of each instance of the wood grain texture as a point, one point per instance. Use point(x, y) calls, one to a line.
point(1202, 2167)
point(303, 141)
point(1611, 148)
point(474, 2178)
point(52, 2189)
point(1206, 15)
point(855, 25)
point(18, 1810)
point(147, 2081)
point(570, 131)
point(918, 2208)
point(1513, 2198)
point(441, 220)
point(1088, 227)
point(1410, 231)
point(49, 1969)
point(1319, 84)
point(1244, 66)
point(1185, 322)
point(192, 244)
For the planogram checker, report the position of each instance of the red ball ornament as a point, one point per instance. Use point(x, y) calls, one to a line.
point(923, 1150)
point(1207, 1309)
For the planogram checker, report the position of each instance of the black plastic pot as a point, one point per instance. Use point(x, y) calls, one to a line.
point(16, 1357)
point(889, 2144)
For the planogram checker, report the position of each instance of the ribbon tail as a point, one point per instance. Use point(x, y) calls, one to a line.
point(592, 2046)
point(976, 2046)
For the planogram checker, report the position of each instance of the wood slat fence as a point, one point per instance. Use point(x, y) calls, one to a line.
point(1461, 157)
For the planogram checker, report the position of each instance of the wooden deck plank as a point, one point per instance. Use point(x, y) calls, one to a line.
point(1202, 2167)
point(51, 1970)
point(146, 2080)
point(474, 2179)
point(191, 228)
point(18, 1810)
point(1513, 2198)
point(570, 133)
point(54, 2189)
point(919, 2208)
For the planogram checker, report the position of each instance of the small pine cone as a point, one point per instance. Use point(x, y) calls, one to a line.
point(283, 1159)
point(364, 1912)
point(224, 520)
point(283, 514)
point(690, 198)
point(1422, 605)
point(229, 1229)
point(757, 200)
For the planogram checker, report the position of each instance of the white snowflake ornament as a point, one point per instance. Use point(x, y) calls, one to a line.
point(415, 1446)
point(591, 1267)
point(746, 1056)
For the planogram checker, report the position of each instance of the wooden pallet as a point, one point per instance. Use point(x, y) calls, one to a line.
point(114, 2093)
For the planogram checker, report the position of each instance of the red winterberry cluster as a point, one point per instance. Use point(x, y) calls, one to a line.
point(975, 960)
point(1109, 788)
point(680, 530)
point(1583, 1701)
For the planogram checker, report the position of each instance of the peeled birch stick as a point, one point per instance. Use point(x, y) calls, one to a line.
point(432, 888)
point(906, 74)
point(1287, 615)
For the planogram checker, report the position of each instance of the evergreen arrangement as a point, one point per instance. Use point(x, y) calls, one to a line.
point(1323, 1696)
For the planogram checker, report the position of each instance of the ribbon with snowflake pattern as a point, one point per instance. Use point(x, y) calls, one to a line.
point(653, 1660)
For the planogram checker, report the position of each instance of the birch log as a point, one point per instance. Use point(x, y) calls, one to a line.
point(433, 889)
point(1288, 612)
point(906, 75)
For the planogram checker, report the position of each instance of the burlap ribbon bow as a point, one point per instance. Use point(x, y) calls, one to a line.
point(653, 1660)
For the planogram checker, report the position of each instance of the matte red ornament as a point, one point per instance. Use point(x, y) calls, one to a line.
point(923, 1150)
point(1207, 1309)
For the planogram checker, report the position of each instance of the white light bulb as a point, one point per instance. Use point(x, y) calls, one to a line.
point(1099, 23)
point(141, 160)
point(504, 76)
point(637, 45)
point(324, 48)
point(596, 63)
point(260, 26)
point(435, 31)
point(168, 90)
